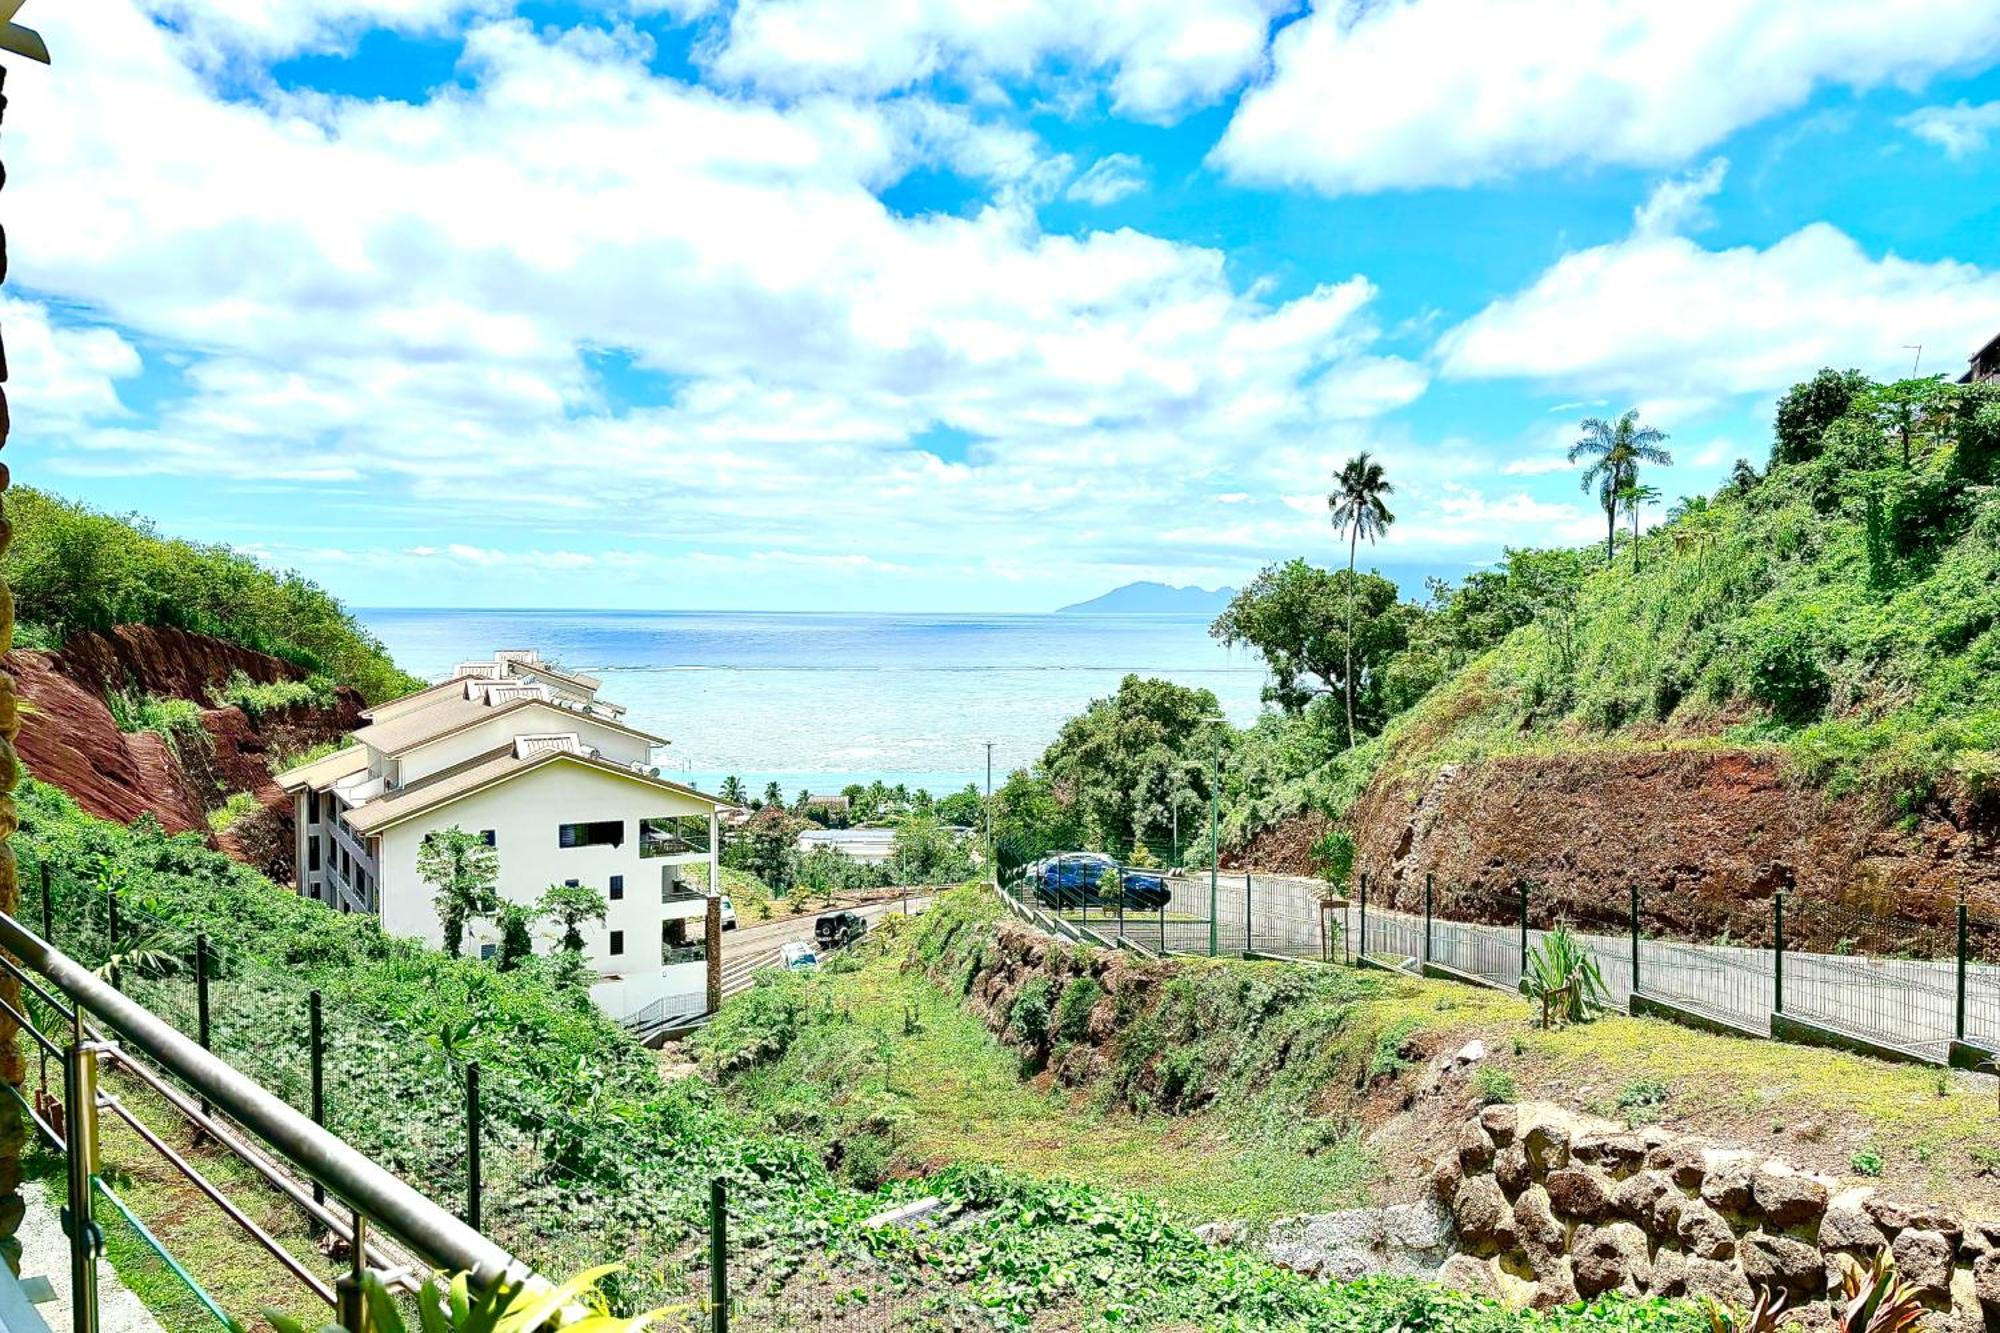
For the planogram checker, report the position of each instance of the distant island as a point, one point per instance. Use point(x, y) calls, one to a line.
point(1153, 599)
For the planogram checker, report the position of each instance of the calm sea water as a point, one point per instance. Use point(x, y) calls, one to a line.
point(819, 701)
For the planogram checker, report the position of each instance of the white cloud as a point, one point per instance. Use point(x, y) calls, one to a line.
point(1679, 204)
point(1961, 130)
point(1366, 96)
point(1161, 59)
point(60, 374)
point(216, 30)
point(1368, 386)
point(1661, 317)
point(399, 296)
point(1109, 179)
point(1537, 465)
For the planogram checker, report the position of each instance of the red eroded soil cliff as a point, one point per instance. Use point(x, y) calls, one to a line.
point(70, 739)
point(1707, 835)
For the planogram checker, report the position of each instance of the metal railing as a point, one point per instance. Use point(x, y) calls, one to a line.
point(92, 1030)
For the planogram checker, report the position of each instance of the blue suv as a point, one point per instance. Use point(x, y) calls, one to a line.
point(1078, 879)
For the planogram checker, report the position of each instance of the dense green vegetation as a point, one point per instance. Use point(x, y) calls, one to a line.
point(1842, 607)
point(591, 1156)
point(73, 568)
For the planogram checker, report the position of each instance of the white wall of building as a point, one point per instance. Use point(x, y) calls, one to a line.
point(526, 813)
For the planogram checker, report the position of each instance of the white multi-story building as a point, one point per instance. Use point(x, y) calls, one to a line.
point(527, 757)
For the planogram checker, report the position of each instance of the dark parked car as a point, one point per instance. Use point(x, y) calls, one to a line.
point(838, 928)
point(1077, 879)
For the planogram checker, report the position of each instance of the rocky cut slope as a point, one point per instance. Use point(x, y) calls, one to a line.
point(71, 737)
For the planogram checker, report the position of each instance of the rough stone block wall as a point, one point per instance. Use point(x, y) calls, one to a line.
point(1551, 1208)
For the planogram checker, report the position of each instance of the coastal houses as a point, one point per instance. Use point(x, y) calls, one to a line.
point(528, 759)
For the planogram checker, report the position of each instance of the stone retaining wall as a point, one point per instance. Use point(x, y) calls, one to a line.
point(1551, 1208)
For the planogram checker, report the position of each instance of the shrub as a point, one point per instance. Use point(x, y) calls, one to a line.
point(260, 700)
point(1866, 1162)
point(238, 805)
point(1079, 997)
point(1786, 675)
point(1494, 1086)
point(1028, 1017)
point(1642, 1101)
point(1564, 978)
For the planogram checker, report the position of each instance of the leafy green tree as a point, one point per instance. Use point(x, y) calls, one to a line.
point(774, 794)
point(926, 851)
point(767, 847)
point(962, 808)
point(1127, 762)
point(569, 906)
point(517, 940)
point(1616, 449)
point(1808, 408)
point(1358, 509)
point(1633, 497)
point(463, 870)
point(733, 790)
point(1296, 616)
point(1029, 819)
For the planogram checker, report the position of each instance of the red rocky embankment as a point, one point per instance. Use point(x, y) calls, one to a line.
point(1708, 836)
point(70, 739)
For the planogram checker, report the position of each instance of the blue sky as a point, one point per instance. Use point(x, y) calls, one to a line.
point(842, 304)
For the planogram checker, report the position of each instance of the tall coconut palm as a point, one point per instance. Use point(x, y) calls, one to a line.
point(1358, 510)
point(1615, 450)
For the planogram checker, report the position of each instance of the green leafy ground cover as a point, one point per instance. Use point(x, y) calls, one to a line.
point(593, 1156)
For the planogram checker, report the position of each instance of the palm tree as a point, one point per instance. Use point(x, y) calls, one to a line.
point(1358, 510)
point(1634, 497)
point(732, 790)
point(1616, 448)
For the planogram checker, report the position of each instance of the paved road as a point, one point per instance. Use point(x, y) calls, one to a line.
point(749, 949)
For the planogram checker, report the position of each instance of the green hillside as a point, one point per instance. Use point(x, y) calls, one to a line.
point(73, 568)
point(1843, 605)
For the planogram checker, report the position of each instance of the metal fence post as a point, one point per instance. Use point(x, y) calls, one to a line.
point(201, 1000)
point(111, 932)
point(1635, 937)
point(1777, 953)
point(316, 1031)
point(350, 1296)
point(1964, 957)
point(1427, 916)
point(1249, 936)
point(1524, 927)
point(86, 1241)
point(718, 1256)
point(472, 1190)
point(1361, 950)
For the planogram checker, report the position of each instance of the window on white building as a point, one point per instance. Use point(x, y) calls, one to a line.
point(617, 941)
point(490, 837)
point(600, 833)
point(617, 888)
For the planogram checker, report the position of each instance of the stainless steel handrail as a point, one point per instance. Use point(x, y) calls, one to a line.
point(431, 1233)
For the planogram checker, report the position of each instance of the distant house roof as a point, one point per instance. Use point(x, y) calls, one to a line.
point(1985, 363)
point(829, 802)
point(324, 772)
point(502, 764)
point(449, 714)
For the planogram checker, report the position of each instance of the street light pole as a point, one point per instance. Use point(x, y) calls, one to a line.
point(1214, 840)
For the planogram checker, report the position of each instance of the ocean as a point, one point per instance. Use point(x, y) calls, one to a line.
point(818, 701)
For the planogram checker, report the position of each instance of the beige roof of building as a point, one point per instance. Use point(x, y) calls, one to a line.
point(322, 773)
point(486, 770)
point(437, 691)
point(452, 713)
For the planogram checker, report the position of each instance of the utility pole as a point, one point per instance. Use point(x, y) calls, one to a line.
point(1214, 836)
point(1918, 348)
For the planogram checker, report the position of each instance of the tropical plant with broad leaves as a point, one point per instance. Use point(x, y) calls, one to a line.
point(1564, 979)
point(1358, 510)
point(1763, 1317)
point(1615, 450)
point(1875, 1299)
point(575, 1306)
